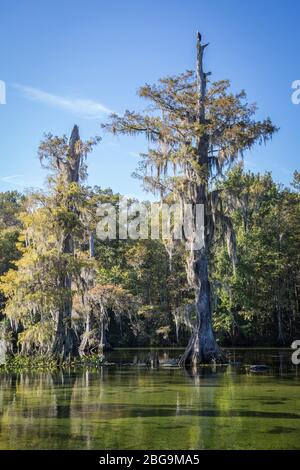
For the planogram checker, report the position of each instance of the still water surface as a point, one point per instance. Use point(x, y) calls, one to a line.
point(134, 407)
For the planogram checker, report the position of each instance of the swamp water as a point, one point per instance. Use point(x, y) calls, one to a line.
point(134, 407)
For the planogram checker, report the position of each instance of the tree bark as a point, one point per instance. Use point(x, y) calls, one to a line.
point(65, 339)
point(202, 347)
point(104, 343)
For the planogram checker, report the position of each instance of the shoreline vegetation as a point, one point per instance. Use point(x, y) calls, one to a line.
point(67, 297)
point(22, 363)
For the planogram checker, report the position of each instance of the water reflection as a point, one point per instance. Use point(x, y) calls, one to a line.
point(135, 406)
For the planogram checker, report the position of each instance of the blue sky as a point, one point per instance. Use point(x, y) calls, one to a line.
point(72, 61)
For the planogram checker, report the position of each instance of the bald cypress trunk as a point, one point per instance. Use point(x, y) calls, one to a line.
point(202, 347)
point(65, 339)
point(103, 343)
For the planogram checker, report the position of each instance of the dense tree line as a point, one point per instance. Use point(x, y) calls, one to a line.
point(65, 292)
point(141, 297)
point(195, 133)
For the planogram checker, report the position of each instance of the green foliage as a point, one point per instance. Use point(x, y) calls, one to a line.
point(57, 287)
point(247, 302)
point(261, 300)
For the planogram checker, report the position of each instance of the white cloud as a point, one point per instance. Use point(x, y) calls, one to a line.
point(86, 108)
point(111, 144)
point(13, 179)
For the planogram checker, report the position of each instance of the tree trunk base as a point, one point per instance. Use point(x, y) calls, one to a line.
point(64, 344)
point(202, 350)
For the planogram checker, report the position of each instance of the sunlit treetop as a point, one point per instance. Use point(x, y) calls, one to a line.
point(171, 125)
